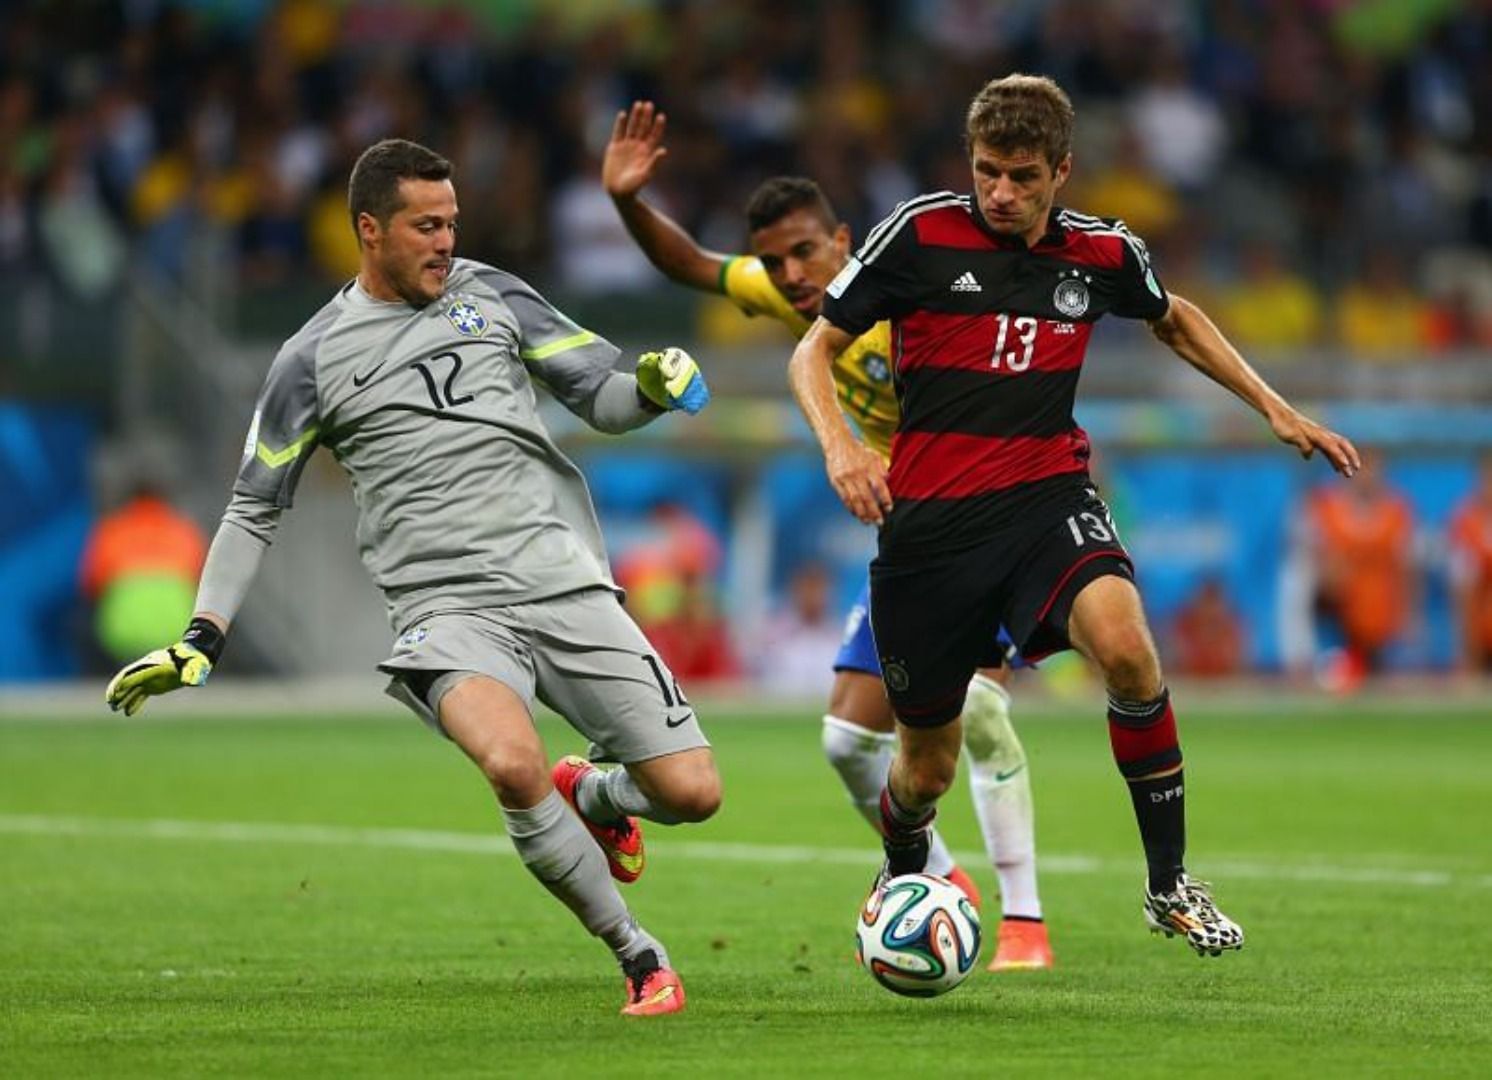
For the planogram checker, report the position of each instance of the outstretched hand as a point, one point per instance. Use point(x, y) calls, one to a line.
point(157, 672)
point(634, 151)
point(859, 478)
point(1307, 436)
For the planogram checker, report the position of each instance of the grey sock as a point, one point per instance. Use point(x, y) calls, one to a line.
point(557, 850)
point(609, 795)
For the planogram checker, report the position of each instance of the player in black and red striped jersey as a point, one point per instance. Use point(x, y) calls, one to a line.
point(987, 513)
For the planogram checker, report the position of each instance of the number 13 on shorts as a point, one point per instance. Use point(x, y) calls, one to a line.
point(1091, 525)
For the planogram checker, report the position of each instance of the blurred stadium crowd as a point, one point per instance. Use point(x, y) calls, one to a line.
point(1317, 171)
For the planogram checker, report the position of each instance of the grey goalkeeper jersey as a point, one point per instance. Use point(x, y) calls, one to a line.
point(464, 501)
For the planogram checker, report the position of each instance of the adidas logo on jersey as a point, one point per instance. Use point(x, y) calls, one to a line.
point(966, 283)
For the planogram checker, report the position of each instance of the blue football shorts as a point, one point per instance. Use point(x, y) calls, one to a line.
point(857, 649)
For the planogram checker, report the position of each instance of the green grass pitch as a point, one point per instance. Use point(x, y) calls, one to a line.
point(328, 896)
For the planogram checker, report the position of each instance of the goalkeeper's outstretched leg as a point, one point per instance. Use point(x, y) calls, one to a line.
point(493, 727)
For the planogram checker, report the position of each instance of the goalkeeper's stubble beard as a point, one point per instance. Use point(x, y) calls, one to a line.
point(418, 278)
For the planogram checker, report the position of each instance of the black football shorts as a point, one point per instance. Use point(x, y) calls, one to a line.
point(935, 615)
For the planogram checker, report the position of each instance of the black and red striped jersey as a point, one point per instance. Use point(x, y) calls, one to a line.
point(988, 338)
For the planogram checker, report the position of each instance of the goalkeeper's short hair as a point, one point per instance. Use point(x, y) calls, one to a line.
point(374, 185)
point(778, 197)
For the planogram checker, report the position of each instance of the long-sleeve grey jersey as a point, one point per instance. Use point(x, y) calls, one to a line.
point(464, 501)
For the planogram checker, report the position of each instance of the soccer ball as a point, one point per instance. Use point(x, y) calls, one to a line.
point(918, 936)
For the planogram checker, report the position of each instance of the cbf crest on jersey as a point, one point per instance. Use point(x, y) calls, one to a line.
point(467, 318)
point(1071, 295)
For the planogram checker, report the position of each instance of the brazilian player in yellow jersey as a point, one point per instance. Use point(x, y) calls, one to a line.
point(797, 247)
point(862, 373)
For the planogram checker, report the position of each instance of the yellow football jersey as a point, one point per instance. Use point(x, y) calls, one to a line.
point(862, 373)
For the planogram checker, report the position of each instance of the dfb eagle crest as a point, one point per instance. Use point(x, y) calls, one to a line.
point(1071, 295)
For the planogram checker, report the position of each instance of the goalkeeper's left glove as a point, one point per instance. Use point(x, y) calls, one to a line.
point(187, 663)
point(672, 380)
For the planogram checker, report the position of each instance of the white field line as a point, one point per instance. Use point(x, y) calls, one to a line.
point(248, 832)
point(361, 697)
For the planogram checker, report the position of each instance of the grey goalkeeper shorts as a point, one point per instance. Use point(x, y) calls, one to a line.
point(580, 654)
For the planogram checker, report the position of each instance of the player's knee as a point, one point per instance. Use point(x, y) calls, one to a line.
point(928, 786)
point(1134, 678)
point(927, 778)
point(1130, 666)
point(699, 801)
point(986, 721)
point(519, 778)
point(846, 744)
point(696, 796)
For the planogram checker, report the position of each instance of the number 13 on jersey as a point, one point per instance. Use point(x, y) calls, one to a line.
point(1020, 332)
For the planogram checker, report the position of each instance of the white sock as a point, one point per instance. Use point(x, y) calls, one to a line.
point(608, 796)
point(862, 758)
point(1000, 783)
point(558, 851)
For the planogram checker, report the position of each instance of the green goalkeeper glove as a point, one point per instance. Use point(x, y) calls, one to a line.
point(672, 380)
point(187, 663)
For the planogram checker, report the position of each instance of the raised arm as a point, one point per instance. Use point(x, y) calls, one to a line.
point(855, 470)
point(1191, 335)
point(631, 158)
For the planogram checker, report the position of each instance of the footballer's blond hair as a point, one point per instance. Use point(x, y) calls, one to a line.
point(1021, 112)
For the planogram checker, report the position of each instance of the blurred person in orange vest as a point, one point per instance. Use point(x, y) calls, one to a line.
point(1471, 573)
point(1207, 634)
point(673, 546)
point(1362, 539)
point(694, 639)
point(139, 571)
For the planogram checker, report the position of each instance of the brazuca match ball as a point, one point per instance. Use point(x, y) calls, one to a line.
point(918, 936)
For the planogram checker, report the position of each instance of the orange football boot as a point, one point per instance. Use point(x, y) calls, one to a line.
point(1023, 946)
point(651, 990)
point(959, 877)
point(621, 843)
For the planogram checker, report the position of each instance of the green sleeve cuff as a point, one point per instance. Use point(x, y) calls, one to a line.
point(725, 269)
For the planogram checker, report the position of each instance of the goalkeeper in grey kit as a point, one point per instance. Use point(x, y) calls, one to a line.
point(418, 376)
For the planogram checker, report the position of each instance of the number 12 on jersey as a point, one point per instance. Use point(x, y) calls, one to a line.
point(1023, 342)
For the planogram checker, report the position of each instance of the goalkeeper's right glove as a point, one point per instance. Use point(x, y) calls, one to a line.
point(672, 380)
point(187, 663)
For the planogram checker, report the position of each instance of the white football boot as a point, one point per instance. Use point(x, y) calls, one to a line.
point(1188, 910)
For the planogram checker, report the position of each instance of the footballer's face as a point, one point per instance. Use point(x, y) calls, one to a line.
point(408, 257)
point(1016, 189)
point(801, 254)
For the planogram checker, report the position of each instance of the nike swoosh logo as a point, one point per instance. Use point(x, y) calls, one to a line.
point(667, 722)
point(1001, 777)
point(556, 880)
point(663, 994)
point(360, 380)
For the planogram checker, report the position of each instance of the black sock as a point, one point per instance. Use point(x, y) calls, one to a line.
point(905, 834)
point(1160, 809)
point(898, 823)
